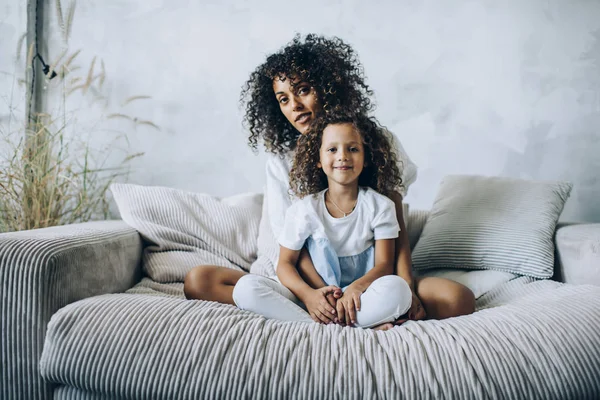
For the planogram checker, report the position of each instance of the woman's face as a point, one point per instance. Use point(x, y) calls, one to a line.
point(299, 103)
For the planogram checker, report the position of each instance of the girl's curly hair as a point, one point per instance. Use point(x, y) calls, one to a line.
point(330, 66)
point(381, 171)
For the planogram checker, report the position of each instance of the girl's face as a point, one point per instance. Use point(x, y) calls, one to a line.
point(299, 103)
point(342, 154)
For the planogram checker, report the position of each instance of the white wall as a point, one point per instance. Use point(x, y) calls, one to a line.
point(507, 88)
point(13, 24)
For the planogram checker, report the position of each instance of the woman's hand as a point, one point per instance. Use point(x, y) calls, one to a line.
point(415, 312)
point(318, 304)
point(348, 305)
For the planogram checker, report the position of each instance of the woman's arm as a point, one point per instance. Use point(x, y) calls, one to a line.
point(276, 192)
point(315, 299)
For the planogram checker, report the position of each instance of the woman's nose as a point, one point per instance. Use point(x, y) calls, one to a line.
point(296, 103)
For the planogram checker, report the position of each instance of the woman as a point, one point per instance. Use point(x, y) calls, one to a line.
point(283, 96)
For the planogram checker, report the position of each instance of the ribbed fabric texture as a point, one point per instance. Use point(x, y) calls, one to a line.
point(414, 224)
point(531, 339)
point(492, 223)
point(186, 229)
point(43, 270)
point(524, 343)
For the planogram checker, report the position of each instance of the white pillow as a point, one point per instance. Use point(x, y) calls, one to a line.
point(185, 229)
point(496, 223)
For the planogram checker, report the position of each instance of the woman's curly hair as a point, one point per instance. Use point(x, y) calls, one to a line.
point(330, 66)
point(381, 171)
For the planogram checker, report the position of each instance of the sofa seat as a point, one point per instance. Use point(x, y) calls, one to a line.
point(529, 339)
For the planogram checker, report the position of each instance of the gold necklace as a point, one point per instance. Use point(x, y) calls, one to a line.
point(338, 207)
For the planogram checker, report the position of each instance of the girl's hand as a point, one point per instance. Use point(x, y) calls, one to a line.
point(332, 297)
point(348, 305)
point(416, 311)
point(318, 304)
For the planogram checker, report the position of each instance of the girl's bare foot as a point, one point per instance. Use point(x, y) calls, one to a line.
point(384, 327)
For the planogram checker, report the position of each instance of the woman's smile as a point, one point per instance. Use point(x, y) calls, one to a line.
point(304, 118)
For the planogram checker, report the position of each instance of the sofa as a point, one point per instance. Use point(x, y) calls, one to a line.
point(84, 316)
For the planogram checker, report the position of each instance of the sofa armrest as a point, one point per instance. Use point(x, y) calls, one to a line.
point(578, 254)
point(42, 271)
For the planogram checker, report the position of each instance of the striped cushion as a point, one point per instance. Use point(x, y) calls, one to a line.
point(492, 223)
point(185, 229)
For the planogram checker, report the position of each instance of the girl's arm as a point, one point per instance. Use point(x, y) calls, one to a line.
point(403, 260)
point(402, 255)
point(278, 201)
point(384, 265)
point(309, 273)
point(315, 299)
point(307, 270)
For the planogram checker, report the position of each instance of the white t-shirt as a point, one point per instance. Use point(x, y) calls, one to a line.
point(373, 218)
point(278, 193)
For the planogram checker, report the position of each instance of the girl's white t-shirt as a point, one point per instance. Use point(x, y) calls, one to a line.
point(279, 197)
point(373, 218)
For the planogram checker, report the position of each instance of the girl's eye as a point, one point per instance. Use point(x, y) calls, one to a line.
point(354, 149)
point(331, 149)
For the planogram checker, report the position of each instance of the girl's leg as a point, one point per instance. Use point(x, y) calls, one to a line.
point(386, 299)
point(212, 283)
point(444, 298)
point(269, 298)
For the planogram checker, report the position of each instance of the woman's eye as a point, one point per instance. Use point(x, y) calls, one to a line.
point(304, 90)
point(283, 100)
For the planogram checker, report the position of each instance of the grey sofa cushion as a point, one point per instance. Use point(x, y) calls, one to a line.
point(494, 223)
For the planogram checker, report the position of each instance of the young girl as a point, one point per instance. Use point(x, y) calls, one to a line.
point(348, 227)
point(309, 77)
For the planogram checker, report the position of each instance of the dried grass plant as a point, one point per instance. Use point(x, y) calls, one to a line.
point(48, 175)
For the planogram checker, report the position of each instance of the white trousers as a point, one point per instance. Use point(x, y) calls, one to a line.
point(386, 299)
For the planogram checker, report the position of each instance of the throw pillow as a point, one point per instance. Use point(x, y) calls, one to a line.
point(184, 229)
point(495, 223)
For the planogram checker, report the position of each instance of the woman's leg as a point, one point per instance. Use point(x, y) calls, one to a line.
point(444, 298)
point(386, 299)
point(269, 298)
point(212, 283)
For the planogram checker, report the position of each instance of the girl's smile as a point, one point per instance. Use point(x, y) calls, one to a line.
point(342, 155)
